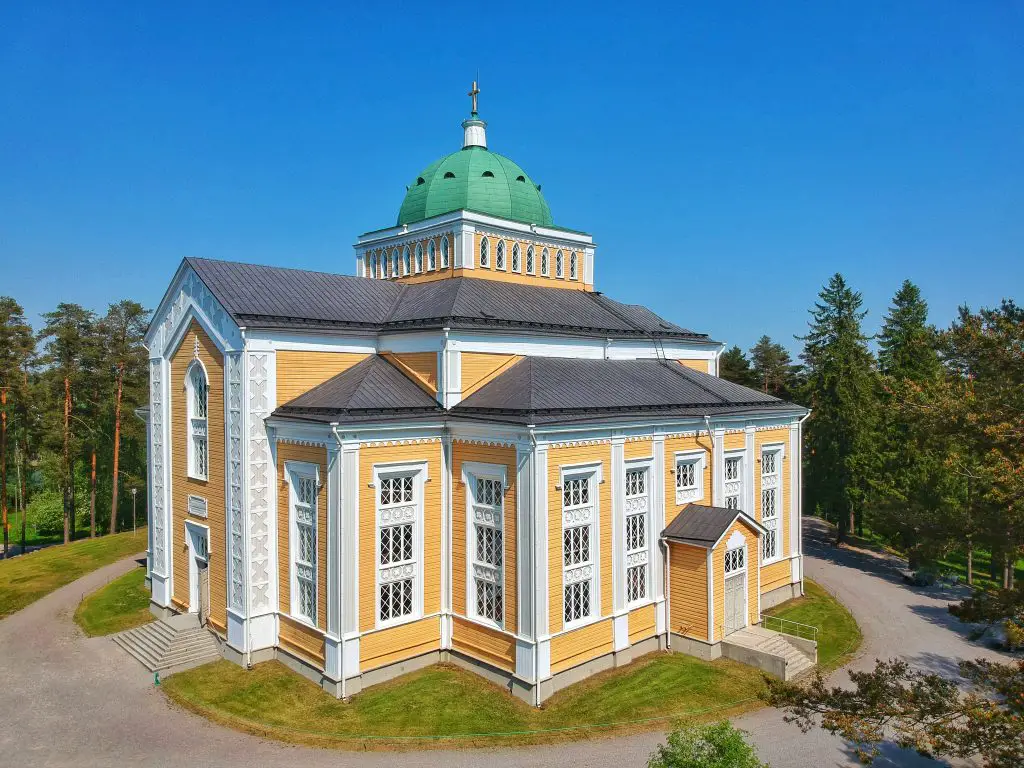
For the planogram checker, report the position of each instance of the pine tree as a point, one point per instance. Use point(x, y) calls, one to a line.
point(772, 368)
point(16, 348)
point(841, 455)
point(734, 366)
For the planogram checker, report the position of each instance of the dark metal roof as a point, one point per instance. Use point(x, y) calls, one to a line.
point(273, 297)
point(702, 526)
point(372, 389)
point(539, 390)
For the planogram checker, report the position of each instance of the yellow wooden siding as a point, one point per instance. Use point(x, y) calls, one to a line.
point(506, 277)
point(704, 366)
point(422, 366)
point(642, 624)
point(487, 454)
point(674, 445)
point(718, 560)
point(299, 372)
point(734, 441)
point(301, 640)
point(430, 453)
point(776, 575)
point(557, 458)
point(688, 596)
point(211, 489)
point(490, 645)
point(767, 437)
point(638, 449)
point(478, 368)
point(405, 641)
point(311, 455)
point(581, 645)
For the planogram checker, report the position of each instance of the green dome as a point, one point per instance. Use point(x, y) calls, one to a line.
point(475, 179)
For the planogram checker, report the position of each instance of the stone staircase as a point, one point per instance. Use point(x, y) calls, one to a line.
point(777, 654)
point(170, 645)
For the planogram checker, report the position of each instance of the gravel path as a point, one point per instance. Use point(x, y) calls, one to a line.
point(67, 700)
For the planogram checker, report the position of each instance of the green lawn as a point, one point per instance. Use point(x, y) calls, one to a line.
point(838, 633)
point(956, 562)
point(446, 706)
point(26, 578)
point(122, 604)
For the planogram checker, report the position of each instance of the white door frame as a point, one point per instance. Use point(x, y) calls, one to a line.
point(738, 542)
point(198, 538)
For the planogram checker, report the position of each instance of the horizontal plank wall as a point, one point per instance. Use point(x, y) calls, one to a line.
point(777, 574)
point(300, 371)
point(311, 455)
point(641, 624)
point(416, 637)
point(688, 591)
point(581, 645)
point(478, 368)
point(480, 642)
point(211, 489)
point(718, 563)
point(422, 366)
point(704, 366)
point(638, 449)
point(301, 640)
point(487, 454)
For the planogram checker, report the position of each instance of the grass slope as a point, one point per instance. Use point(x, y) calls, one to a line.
point(445, 705)
point(121, 604)
point(26, 578)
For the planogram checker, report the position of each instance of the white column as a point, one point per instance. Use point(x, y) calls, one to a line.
point(751, 466)
point(447, 485)
point(335, 492)
point(160, 468)
point(620, 622)
point(795, 512)
point(718, 469)
point(349, 560)
point(658, 523)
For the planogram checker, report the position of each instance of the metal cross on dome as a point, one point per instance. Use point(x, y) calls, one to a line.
point(474, 91)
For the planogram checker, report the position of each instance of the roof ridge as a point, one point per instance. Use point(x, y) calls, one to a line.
point(599, 297)
point(682, 370)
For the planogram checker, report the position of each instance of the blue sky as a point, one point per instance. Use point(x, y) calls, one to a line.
point(727, 159)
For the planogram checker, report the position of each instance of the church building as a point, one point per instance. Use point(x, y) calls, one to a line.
point(464, 452)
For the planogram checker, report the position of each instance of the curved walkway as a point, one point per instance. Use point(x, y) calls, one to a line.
point(67, 700)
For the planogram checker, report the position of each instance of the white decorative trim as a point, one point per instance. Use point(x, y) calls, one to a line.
point(157, 403)
point(235, 483)
point(189, 297)
point(689, 495)
point(261, 473)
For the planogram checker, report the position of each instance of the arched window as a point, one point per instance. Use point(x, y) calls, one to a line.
point(573, 268)
point(198, 396)
point(444, 252)
point(419, 257)
point(373, 265)
point(431, 255)
point(394, 263)
point(529, 260)
point(499, 255)
point(517, 264)
point(544, 262)
point(484, 251)
point(558, 265)
point(405, 261)
point(382, 257)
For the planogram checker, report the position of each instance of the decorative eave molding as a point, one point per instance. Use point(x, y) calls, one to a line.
point(188, 298)
point(580, 443)
point(400, 441)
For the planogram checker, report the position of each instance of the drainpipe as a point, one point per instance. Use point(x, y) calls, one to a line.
point(536, 629)
point(711, 435)
point(663, 542)
point(341, 531)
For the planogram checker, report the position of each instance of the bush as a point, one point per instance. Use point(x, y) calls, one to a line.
point(718, 745)
point(45, 513)
point(1014, 635)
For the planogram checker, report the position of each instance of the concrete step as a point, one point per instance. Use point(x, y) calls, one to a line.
point(767, 650)
point(175, 643)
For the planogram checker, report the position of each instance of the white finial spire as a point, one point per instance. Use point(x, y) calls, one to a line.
point(474, 130)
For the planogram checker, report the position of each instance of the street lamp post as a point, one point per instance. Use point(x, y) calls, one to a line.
point(134, 491)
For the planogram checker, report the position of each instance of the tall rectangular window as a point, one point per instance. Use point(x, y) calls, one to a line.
point(487, 560)
point(304, 545)
point(637, 509)
point(771, 481)
point(198, 395)
point(689, 477)
point(733, 485)
point(578, 548)
point(397, 550)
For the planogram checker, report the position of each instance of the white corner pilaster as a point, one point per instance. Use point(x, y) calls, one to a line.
point(348, 531)
point(718, 469)
point(234, 418)
point(160, 466)
point(618, 480)
point(750, 467)
point(447, 495)
point(658, 522)
point(260, 396)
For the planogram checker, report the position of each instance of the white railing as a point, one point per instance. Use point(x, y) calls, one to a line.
point(787, 627)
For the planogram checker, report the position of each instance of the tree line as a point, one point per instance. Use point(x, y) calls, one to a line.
point(71, 449)
point(921, 442)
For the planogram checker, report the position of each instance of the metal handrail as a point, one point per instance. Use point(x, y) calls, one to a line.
point(803, 631)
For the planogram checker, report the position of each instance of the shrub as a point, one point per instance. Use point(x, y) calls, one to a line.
point(718, 745)
point(45, 513)
point(1014, 635)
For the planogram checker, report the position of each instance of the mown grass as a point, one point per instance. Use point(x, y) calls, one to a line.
point(26, 578)
point(448, 706)
point(120, 605)
point(838, 633)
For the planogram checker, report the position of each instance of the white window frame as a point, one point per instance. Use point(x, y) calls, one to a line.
point(517, 258)
point(688, 494)
point(481, 514)
point(431, 255)
point(559, 265)
point(394, 263)
point(531, 260)
point(734, 487)
point(499, 256)
point(385, 516)
point(638, 505)
point(445, 248)
point(198, 426)
point(485, 253)
point(576, 516)
point(372, 266)
point(406, 261)
point(418, 263)
point(545, 263)
point(574, 269)
point(773, 524)
point(294, 472)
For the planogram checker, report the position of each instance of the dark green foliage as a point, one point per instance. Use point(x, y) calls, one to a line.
point(773, 370)
point(734, 366)
point(717, 745)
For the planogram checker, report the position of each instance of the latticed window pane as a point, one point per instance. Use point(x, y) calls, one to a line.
point(516, 263)
point(636, 583)
point(544, 262)
point(406, 265)
point(529, 260)
point(484, 252)
point(576, 598)
point(576, 545)
point(769, 544)
point(444, 252)
point(636, 482)
point(431, 256)
point(307, 597)
point(735, 560)
point(768, 506)
point(686, 475)
point(572, 266)
point(199, 455)
point(732, 469)
point(419, 257)
point(499, 255)
point(489, 492)
point(636, 532)
point(559, 264)
point(732, 502)
point(488, 545)
point(395, 599)
point(200, 394)
point(576, 492)
point(396, 490)
point(395, 544)
point(489, 601)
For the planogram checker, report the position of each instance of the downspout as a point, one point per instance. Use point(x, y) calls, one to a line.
point(536, 629)
point(711, 436)
point(668, 591)
point(341, 535)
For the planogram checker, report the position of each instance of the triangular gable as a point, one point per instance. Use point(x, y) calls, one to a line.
point(189, 298)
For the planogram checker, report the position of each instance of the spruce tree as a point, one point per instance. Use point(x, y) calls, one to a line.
point(734, 366)
point(840, 450)
point(772, 368)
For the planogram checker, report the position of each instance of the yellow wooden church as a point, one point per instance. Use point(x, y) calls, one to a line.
point(462, 453)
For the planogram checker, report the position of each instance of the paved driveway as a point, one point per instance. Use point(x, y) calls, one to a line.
point(66, 700)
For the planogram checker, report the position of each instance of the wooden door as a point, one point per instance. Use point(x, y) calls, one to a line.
point(735, 602)
point(204, 592)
